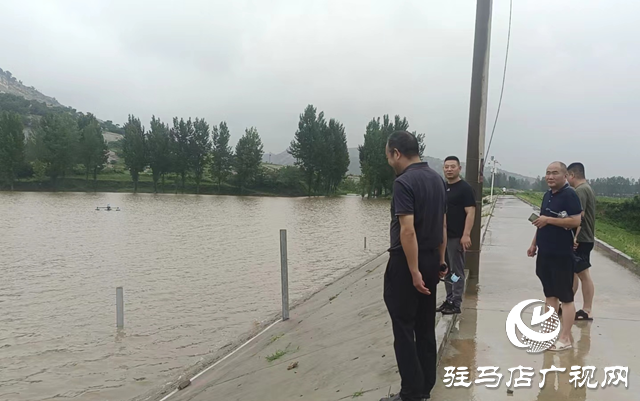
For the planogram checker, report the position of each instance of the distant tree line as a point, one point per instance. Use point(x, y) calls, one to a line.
point(618, 187)
point(503, 180)
point(186, 150)
point(58, 143)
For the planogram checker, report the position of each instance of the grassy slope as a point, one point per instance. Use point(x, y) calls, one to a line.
point(624, 240)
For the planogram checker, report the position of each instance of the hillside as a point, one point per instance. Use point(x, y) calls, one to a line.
point(285, 159)
point(11, 85)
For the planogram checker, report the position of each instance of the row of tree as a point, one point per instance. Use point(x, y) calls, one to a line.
point(186, 148)
point(190, 148)
point(58, 143)
point(617, 186)
point(502, 180)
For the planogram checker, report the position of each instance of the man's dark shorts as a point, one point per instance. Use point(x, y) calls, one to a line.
point(556, 275)
point(583, 253)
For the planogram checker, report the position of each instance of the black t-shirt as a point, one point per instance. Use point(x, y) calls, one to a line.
point(554, 240)
point(419, 191)
point(459, 196)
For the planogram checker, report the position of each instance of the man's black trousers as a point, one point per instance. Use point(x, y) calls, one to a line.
point(413, 316)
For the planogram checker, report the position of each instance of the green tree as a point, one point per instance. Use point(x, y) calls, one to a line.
point(93, 151)
point(248, 160)
point(159, 147)
point(222, 154)
point(11, 146)
point(181, 135)
point(134, 148)
point(56, 141)
point(334, 167)
point(377, 176)
point(303, 147)
point(200, 149)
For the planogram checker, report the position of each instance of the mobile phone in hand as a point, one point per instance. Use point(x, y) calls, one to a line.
point(533, 217)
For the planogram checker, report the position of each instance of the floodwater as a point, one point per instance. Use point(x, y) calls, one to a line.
point(197, 272)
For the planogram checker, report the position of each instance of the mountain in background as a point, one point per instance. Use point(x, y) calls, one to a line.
point(285, 159)
point(13, 86)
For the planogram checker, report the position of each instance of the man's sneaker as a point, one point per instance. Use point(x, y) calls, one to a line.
point(451, 310)
point(445, 304)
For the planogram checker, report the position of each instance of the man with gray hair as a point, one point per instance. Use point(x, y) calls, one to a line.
point(559, 214)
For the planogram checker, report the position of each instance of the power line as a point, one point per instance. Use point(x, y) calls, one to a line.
point(504, 76)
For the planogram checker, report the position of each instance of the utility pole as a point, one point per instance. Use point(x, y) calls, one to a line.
point(477, 124)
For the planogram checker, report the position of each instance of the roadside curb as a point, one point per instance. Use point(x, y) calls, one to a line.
point(446, 322)
point(607, 250)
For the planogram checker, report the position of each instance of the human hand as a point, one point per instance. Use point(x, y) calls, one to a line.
point(531, 252)
point(465, 241)
point(541, 221)
point(575, 245)
point(419, 283)
point(443, 273)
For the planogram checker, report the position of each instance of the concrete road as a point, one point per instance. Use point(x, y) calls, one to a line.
point(507, 276)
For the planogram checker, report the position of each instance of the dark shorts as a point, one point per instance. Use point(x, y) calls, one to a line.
point(583, 256)
point(556, 275)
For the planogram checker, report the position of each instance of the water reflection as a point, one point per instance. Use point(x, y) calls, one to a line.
point(557, 384)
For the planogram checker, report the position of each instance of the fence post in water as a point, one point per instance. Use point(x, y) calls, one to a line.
point(120, 307)
point(285, 274)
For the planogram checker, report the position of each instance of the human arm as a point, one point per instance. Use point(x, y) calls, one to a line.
point(531, 252)
point(403, 200)
point(573, 209)
point(470, 213)
point(465, 241)
point(584, 200)
point(409, 241)
point(568, 222)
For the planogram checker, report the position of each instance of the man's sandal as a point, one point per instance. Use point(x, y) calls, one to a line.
point(582, 315)
point(559, 346)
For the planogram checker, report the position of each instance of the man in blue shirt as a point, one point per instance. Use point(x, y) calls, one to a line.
point(418, 234)
point(559, 214)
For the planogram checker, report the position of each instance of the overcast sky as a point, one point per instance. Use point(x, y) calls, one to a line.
point(571, 91)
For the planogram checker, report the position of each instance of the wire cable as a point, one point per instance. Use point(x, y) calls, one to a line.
point(504, 76)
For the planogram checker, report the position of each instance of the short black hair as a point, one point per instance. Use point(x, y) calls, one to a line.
point(405, 142)
point(577, 169)
point(452, 158)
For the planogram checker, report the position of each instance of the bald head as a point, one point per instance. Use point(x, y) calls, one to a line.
point(556, 175)
point(559, 166)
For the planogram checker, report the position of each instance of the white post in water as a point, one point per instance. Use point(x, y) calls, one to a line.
point(285, 274)
point(120, 307)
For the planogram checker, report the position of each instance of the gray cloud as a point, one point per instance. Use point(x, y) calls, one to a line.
point(570, 92)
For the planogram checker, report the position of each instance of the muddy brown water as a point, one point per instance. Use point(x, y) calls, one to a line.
point(197, 272)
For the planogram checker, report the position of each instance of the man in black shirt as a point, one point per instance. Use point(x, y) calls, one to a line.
point(461, 211)
point(418, 245)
